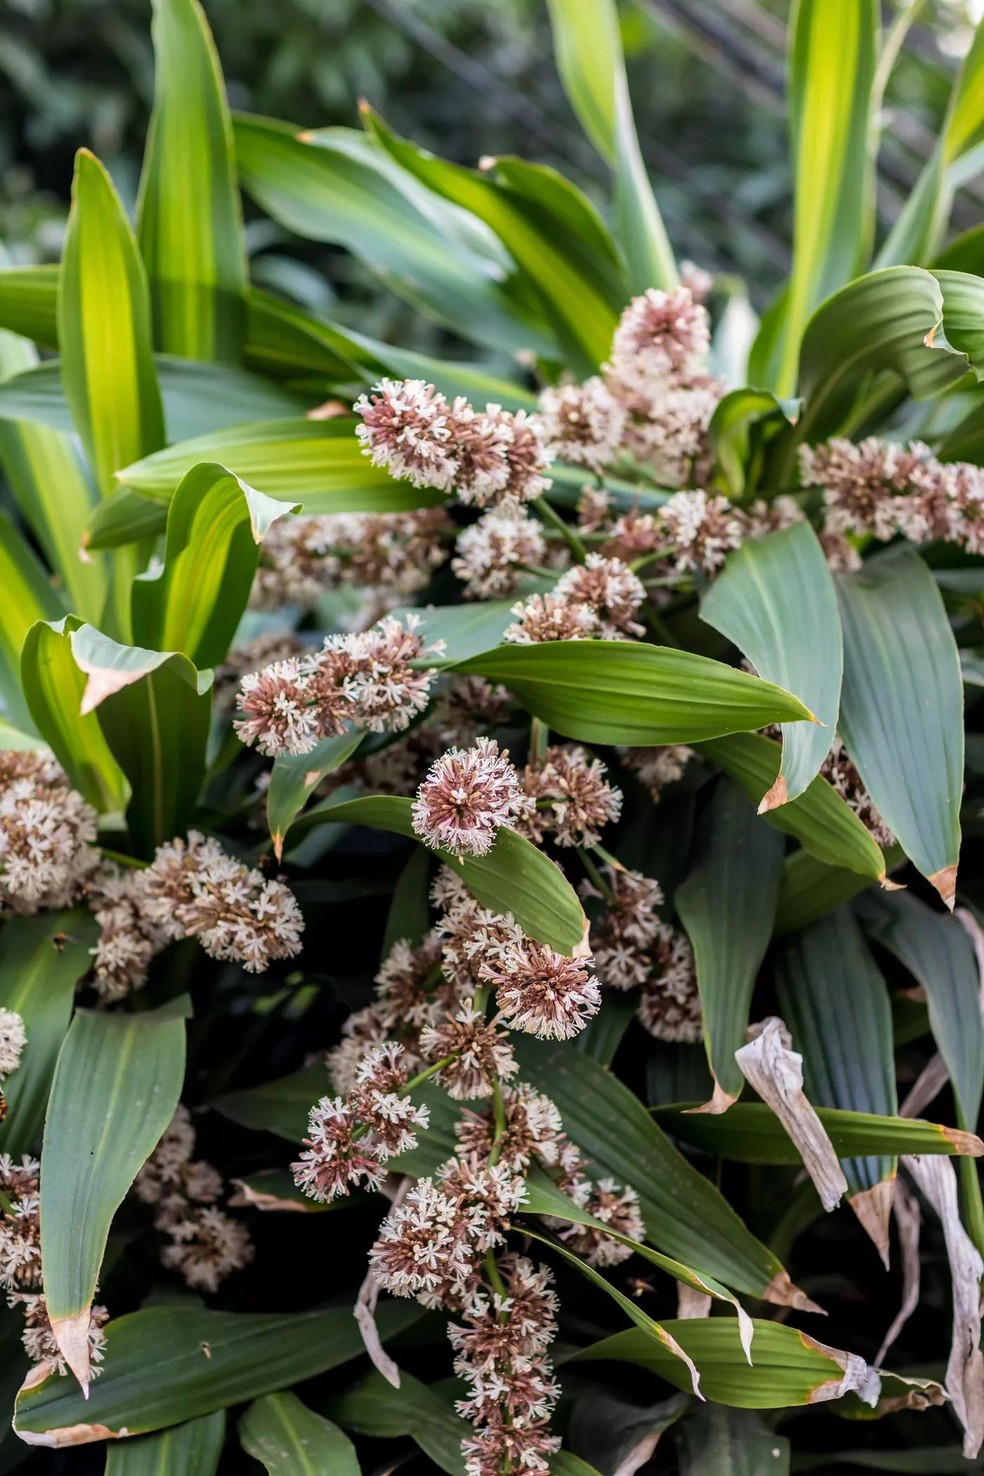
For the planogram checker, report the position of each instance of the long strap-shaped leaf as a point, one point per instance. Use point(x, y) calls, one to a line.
point(115, 1088)
point(27, 597)
point(835, 1002)
point(193, 1449)
point(902, 708)
point(775, 599)
point(189, 216)
point(751, 1133)
point(289, 1439)
point(588, 50)
point(727, 905)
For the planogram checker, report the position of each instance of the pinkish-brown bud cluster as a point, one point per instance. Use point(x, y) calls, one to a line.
point(47, 832)
point(468, 795)
point(597, 599)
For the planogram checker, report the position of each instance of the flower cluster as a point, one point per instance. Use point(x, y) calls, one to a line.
point(391, 556)
point(491, 554)
point(368, 678)
point(46, 833)
point(13, 1039)
point(204, 1244)
point(573, 800)
point(655, 768)
point(597, 599)
point(484, 456)
point(20, 1266)
point(467, 796)
point(839, 771)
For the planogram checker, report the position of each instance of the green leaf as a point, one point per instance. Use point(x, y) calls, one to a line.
point(743, 420)
point(154, 710)
point(295, 777)
point(902, 708)
point(169, 1364)
point(104, 329)
point(318, 462)
point(844, 1035)
point(215, 524)
point(833, 47)
point(336, 186)
point(42, 958)
point(750, 1132)
point(729, 1442)
point(466, 630)
point(938, 953)
point(51, 486)
point(550, 231)
point(775, 600)
point(810, 889)
point(123, 517)
point(514, 877)
point(375, 1408)
point(282, 340)
point(29, 302)
point(618, 692)
point(819, 819)
point(53, 687)
point(685, 1216)
point(280, 1106)
point(189, 216)
point(27, 597)
point(193, 1449)
point(727, 905)
point(291, 1440)
point(116, 1085)
point(920, 226)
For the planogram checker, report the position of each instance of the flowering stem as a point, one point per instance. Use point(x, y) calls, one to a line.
point(608, 858)
point(492, 1272)
point(539, 740)
point(499, 1123)
point(538, 571)
point(427, 1073)
point(551, 516)
point(599, 881)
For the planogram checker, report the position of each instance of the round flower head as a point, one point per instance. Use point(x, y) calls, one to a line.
point(406, 428)
point(582, 423)
point(13, 1039)
point(543, 992)
point(489, 553)
point(660, 336)
point(467, 795)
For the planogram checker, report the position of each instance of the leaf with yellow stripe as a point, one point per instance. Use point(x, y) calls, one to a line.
point(189, 218)
point(27, 597)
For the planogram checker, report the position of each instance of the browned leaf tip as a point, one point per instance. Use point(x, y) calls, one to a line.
point(249, 1197)
point(777, 795)
point(720, 1102)
point(328, 410)
point(856, 1375)
point(873, 1208)
point(945, 882)
point(783, 1293)
point(887, 885)
point(965, 1145)
point(277, 836)
point(72, 1336)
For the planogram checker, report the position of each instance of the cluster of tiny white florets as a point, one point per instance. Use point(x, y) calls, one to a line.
point(46, 833)
point(467, 796)
point(13, 1039)
point(598, 599)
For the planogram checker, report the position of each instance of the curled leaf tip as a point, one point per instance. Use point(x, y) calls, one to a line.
point(277, 836)
point(328, 410)
point(945, 882)
point(72, 1336)
point(777, 795)
point(720, 1102)
point(783, 1293)
point(873, 1208)
point(887, 885)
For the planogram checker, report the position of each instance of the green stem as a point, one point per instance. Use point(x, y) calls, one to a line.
point(550, 515)
point(599, 881)
point(499, 1123)
point(607, 857)
point(427, 1073)
point(492, 1272)
point(539, 740)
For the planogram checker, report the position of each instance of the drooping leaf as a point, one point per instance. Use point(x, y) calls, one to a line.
point(316, 462)
point(775, 599)
point(116, 1084)
point(902, 708)
point(835, 1003)
point(335, 186)
point(685, 1216)
point(53, 687)
point(294, 778)
point(729, 1442)
point(749, 1132)
point(215, 524)
point(622, 693)
point(820, 819)
point(28, 597)
point(375, 1408)
point(42, 958)
point(167, 1364)
point(193, 1449)
point(291, 1440)
point(513, 877)
point(153, 708)
point(833, 49)
point(618, 1435)
point(189, 219)
point(727, 905)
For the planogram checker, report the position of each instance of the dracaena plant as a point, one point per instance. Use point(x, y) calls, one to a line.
point(479, 836)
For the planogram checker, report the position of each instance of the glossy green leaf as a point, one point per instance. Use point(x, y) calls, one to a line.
point(775, 600)
point(29, 302)
point(588, 50)
point(514, 877)
point(279, 1106)
point(167, 1364)
point(729, 1442)
point(810, 889)
point(750, 1132)
point(727, 905)
point(375, 1408)
point(17, 739)
point(618, 1433)
point(124, 517)
point(819, 818)
point(189, 219)
point(295, 777)
point(742, 420)
point(191, 1449)
point(27, 597)
point(154, 709)
point(317, 462)
point(50, 485)
point(833, 49)
point(685, 1216)
point(335, 186)
point(939, 954)
point(902, 708)
point(466, 630)
point(549, 230)
point(622, 693)
point(215, 524)
point(117, 1082)
point(104, 329)
point(289, 1439)
point(921, 223)
point(53, 687)
point(835, 1003)
point(42, 958)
